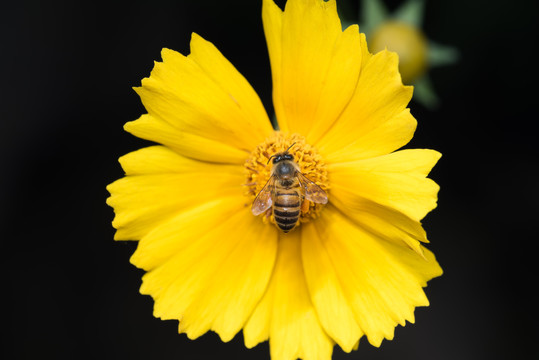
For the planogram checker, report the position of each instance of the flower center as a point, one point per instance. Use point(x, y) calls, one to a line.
point(259, 170)
point(407, 41)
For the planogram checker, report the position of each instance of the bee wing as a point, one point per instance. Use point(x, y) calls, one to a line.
point(312, 191)
point(263, 200)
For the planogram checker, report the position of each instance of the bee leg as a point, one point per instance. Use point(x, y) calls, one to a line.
point(305, 206)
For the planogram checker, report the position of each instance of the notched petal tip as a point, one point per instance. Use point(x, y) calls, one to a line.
point(166, 54)
point(197, 38)
point(393, 60)
point(130, 125)
point(352, 28)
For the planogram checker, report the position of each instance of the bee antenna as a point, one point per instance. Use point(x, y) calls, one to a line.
point(270, 158)
point(290, 147)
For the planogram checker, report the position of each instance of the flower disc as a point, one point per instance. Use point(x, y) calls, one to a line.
point(310, 162)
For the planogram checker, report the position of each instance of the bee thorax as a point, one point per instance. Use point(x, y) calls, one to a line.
point(285, 169)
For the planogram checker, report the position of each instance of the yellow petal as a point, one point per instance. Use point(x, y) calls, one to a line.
point(216, 275)
point(315, 65)
point(285, 314)
point(338, 85)
point(365, 54)
point(166, 240)
point(162, 160)
point(397, 180)
point(142, 202)
point(204, 95)
point(326, 291)
point(272, 18)
point(189, 145)
point(222, 72)
point(376, 120)
point(386, 223)
point(382, 282)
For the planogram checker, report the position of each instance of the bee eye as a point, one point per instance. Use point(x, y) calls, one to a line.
point(288, 157)
point(276, 159)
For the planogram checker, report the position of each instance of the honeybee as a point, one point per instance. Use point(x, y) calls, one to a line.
point(287, 190)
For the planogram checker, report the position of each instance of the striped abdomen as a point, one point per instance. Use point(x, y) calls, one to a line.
point(286, 207)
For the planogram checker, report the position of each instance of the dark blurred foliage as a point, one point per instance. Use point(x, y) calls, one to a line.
point(68, 69)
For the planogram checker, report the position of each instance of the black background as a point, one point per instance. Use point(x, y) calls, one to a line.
point(67, 73)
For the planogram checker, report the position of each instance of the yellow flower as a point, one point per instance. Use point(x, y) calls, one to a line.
point(352, 267)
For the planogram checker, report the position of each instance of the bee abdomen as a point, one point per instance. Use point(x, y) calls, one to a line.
point(286, 209)
point(286, 219)
point(286, 213)
point(286, 228)
point(286, 223)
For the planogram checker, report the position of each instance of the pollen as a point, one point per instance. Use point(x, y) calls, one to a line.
point(258, 170)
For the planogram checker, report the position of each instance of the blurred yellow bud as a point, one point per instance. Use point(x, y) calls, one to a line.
point(407, 41)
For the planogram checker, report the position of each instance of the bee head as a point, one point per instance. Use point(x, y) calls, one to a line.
point(280, 157)
point(285, 155)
